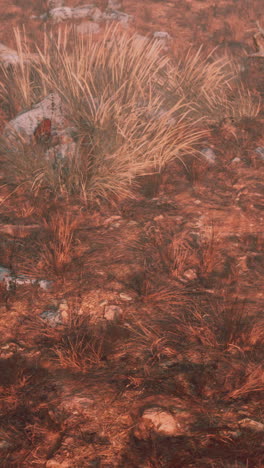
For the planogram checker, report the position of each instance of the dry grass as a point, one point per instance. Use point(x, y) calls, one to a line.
point(134, 112)
point(58, 251)
point(115, 93)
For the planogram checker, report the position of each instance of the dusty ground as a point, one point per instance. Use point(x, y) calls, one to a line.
point(182, 265)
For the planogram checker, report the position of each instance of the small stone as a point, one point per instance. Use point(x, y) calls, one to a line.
point(158, 420)
point(236, 160)
point(111, 220)
point(125, 297)
point(112, 313)
point(52, 317)
point(209, 155)
point(54, 4)
point(251, 425)
point(115, 15)
point(103, 303)
point(5, 445)
point(60, 14)
point(114, 4)
point(88, 27)
point(260, 152)
point(161, 35)
point(158, 218)
point(190, 274)
point(163, 422)
point(58, 464)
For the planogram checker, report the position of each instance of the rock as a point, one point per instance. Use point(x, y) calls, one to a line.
point(209, 155)
point(64, 310)
point(8, 350)
point(5, 275)
point(115, 15)
point(114, 4)
point(236, 160)
point(251, 425)
point(45, 284)
point(52, 463)
point(26, 122)
point(112, 313)
point(52, 317)
point(88, 27)
point(112, 220)
point(260, 152)
point(10, 56)
point(190, 275)
point(162, 422)
point(58, 15)
point(161, 35)
point(54, 4)
point(5, 445)
point(61, 152)
point(11, 280)
point(125, 297)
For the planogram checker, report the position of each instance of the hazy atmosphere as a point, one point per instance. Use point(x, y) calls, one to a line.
point(131, 234)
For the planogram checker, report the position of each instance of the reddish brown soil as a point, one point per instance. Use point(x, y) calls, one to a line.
point(193, 333)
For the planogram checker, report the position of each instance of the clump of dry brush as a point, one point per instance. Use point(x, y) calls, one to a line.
point(133, 108)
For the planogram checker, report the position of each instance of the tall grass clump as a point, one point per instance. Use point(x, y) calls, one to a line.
point(132, 108)
point(212, 84)
point(20, 85)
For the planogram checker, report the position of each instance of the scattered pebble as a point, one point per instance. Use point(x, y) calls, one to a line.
point(114, 4)
point(209, 155)
point(161, 35)
point(162, 422)
point(112, 313)
point(88, 27)
point(10, 56)
point(54, 4)
point(236, 160)
point(190, 274)
point(251, 425)
point(125, 297)
point(260, 152)
point(12, 280)
point(52, 317)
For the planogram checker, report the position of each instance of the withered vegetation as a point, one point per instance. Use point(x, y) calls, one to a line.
point(155, 254)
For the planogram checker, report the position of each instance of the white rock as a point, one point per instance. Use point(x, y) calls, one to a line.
point(61, 152)
point(125, 297)
point(112, 313)
point(114, 4)
point(26, 122)
point(55, 4)
point(251, 425)
point(86, 11)
point(5, 274)
point(10, 56)
point(115, 15)
point(60, 14)
point(190, 274)
point(161, 35)
point(9, 279)
point(5, 445)
point(236, 160)
point(52, 463)
point(88, 27)
point(260, 152)
point(161, 421)
point(209, 155)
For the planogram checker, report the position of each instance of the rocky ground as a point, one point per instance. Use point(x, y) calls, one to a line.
point(132, 331)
